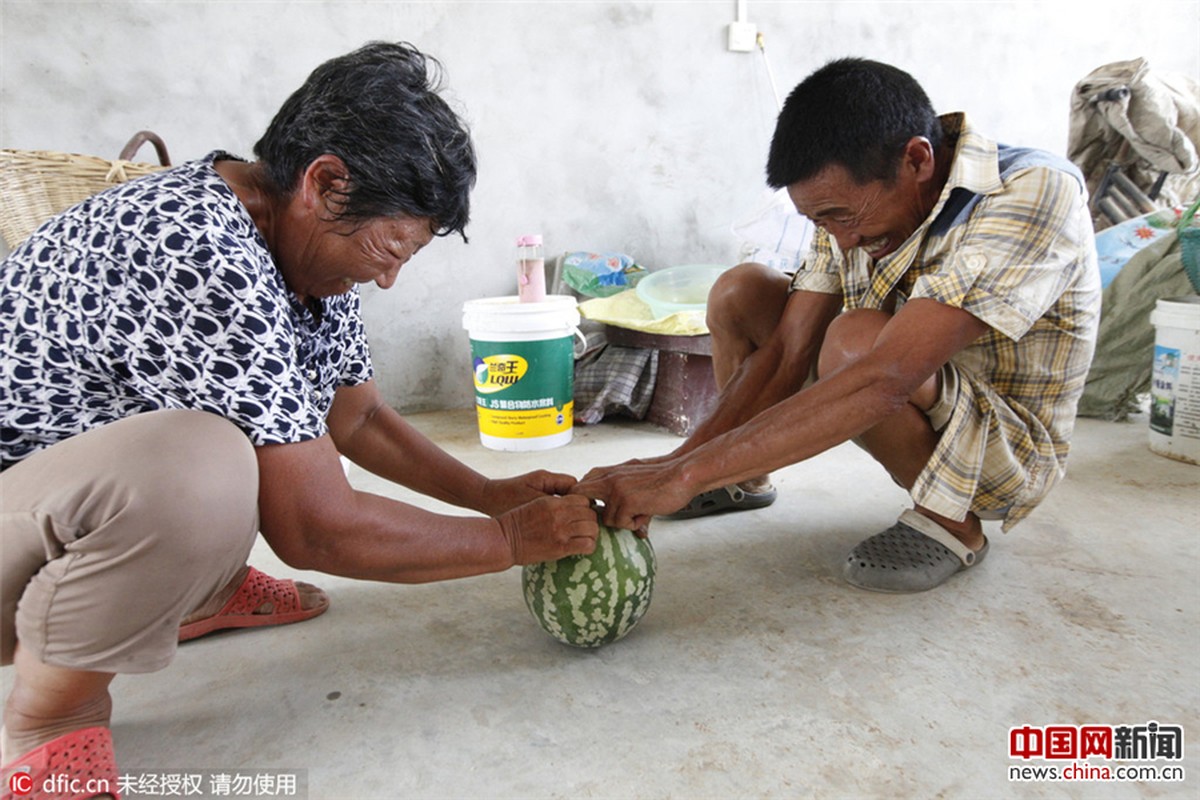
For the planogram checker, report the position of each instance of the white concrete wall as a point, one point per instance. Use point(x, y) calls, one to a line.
point(613, 125)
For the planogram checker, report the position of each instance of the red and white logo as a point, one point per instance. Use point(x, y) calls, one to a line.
point(21, 781)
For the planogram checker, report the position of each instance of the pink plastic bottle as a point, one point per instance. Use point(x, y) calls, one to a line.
point(531, 269)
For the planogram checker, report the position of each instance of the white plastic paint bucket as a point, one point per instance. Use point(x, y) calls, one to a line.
point(1175, 388)
point(523, 365)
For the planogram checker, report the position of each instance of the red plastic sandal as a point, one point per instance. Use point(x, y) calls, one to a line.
point(256, 589)
point(74, 766)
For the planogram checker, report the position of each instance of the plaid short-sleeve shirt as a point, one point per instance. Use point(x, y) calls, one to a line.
point(1011, 242)
point(160, 293)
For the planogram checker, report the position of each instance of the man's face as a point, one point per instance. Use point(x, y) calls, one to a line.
point(876, 216)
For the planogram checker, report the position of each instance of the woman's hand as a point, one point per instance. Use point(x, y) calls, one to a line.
point(549, 528)
point(505, 494)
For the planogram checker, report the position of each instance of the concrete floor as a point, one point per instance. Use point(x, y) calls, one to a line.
point(756, 673)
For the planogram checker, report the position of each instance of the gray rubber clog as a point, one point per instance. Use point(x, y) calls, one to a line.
point(914, 555)
point(726, 498)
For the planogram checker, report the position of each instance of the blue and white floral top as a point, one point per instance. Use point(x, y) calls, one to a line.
point(161, 293)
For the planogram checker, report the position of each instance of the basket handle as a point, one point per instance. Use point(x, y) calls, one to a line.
point(140, 138)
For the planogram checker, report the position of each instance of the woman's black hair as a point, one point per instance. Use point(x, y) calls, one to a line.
point(377, 109)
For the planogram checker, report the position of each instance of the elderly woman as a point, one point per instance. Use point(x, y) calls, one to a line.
point(183, 361)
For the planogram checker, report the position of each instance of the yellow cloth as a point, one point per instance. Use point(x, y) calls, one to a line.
point(627, 310)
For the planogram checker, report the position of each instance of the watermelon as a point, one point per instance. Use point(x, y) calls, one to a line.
point(591, 600)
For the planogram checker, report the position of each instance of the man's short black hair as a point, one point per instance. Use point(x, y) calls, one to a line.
point(853, 112)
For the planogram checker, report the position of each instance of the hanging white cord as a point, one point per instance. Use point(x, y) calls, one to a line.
point(770, 75)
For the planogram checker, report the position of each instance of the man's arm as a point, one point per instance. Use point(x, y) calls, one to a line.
point(775, 371)
point(911, 348)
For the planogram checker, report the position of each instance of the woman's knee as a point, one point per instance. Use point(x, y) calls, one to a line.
point(207, 475)
point(215, 449)
point(156, 512)
point(183, 482)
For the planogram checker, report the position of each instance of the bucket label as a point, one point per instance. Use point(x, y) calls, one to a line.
point(499, 372)
point(524, 389)
point(1175, 396)
point(1162, 389)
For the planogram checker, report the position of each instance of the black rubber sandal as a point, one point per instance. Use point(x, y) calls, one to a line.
point(722, 500)
point(914, 555)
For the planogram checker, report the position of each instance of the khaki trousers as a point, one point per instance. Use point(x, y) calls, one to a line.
point(109, 538)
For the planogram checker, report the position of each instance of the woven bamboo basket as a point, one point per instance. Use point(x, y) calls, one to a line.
point(37, 184)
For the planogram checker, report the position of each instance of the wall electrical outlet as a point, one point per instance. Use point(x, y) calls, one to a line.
point(742, 36)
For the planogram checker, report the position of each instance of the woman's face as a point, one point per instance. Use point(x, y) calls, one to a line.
point(335, 255)
point(321, 254)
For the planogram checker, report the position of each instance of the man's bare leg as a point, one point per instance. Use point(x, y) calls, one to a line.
point(903, 442)
point(744, 308)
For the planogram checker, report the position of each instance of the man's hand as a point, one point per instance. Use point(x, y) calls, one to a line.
point(506, 494)
point(549, 528)
point(633, 492)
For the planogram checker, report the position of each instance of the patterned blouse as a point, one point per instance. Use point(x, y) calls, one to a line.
point(1010, 241)
point(161, 293)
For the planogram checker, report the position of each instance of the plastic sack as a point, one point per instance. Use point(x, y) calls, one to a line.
point(600, 274)
point(775, 234)
point(1117, 244)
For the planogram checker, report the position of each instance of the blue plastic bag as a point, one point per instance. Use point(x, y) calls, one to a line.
point(600, 274)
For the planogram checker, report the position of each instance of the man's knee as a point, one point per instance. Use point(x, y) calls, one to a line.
point(850, 336)
point(746, 296)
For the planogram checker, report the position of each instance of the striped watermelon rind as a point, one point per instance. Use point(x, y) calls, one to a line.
point(591, 600)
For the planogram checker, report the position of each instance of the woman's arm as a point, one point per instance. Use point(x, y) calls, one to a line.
point(313, 519)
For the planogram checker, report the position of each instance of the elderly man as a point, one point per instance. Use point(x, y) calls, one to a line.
point(944, 320)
